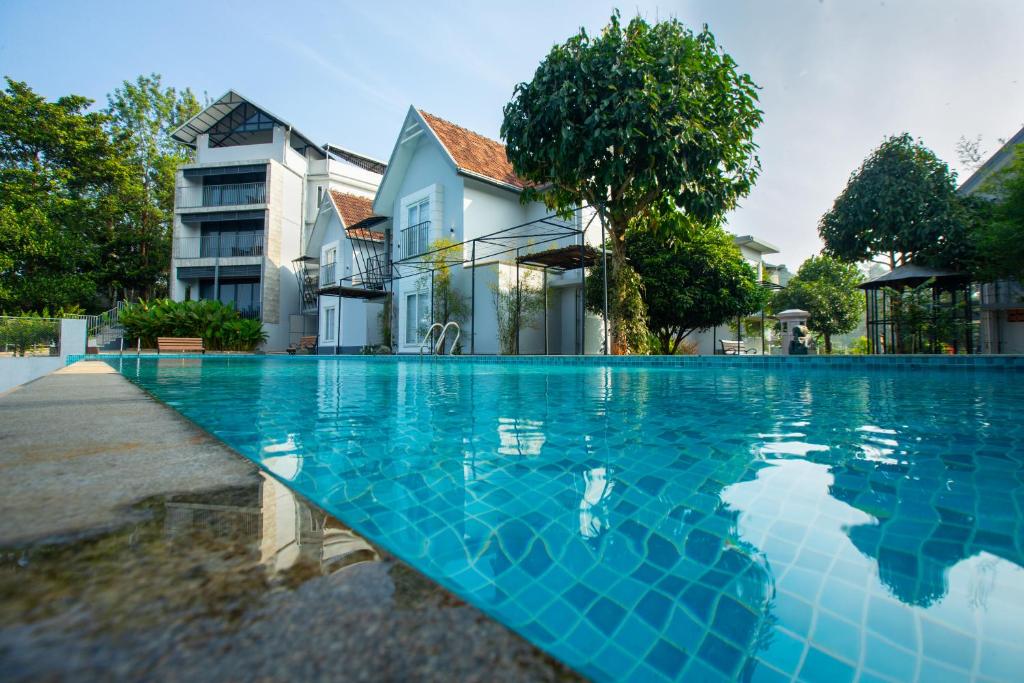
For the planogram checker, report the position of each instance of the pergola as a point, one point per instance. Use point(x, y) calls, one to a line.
point(540, 243)
point(950, 299)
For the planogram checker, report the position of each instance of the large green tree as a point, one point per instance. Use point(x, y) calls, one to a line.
point(997, 225)
point(142, 114)
point(631, 117)
point(827, 289)
point(899, 206)
point(62, 181)
point(698, 280)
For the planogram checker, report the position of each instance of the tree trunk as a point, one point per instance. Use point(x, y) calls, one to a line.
point(828, 343)
point(616, 262)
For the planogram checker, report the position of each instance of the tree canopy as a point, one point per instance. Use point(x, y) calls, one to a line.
point(696, 282)
point(62, 181)
point(827, 289)
point(141, 116)
point(633, 117)
point(86, 197)
point(900, 205)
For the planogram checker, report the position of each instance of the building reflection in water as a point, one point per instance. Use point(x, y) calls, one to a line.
point(281, 527)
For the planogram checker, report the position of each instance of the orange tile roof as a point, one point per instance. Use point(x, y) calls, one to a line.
point(357, 213)
point(474, 152)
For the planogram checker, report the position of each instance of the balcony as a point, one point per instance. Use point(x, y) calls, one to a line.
point(327, 275)
point(235, 194)
point(415, 239)
point(222, 245)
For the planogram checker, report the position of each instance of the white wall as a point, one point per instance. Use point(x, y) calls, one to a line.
point(429, 167)
point(15, 371)
point(489, 209)
point(271, 150)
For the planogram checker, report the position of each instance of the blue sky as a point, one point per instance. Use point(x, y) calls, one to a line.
point(836, 76)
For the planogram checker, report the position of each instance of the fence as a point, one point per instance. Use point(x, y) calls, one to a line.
point(29, 336)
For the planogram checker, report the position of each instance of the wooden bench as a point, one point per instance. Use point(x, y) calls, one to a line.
point(306, 344)
point(732, 347)
point(179, 344)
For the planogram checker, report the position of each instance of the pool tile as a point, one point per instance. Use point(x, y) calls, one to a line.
point(660, 531)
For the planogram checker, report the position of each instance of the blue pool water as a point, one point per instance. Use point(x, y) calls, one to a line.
point(663, 523)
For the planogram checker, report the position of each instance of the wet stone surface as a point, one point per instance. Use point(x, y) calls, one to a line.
point(244, 583)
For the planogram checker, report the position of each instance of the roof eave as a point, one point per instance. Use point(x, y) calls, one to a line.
point(759, 245)
point(489, 180)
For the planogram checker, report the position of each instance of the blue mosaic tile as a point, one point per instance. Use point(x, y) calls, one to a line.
point(667, 518)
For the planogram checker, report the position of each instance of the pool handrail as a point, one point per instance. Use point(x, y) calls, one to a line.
point(427, 336)
point(439, 347)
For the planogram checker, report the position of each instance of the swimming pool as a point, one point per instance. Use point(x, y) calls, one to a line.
point(665, 523)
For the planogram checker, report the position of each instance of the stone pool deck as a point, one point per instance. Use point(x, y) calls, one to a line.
point(134, 546)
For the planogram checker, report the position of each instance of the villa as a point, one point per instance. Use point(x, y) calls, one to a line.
point(312, 240)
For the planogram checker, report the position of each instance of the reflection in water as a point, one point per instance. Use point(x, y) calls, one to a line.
point(205, 589)
point(684, 524)
point(520, 437)
point(594, 503)
point(219, 550)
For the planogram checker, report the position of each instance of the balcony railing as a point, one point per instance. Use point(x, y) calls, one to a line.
point(234, 194)
point(221, 245)
point(251, 313)
point(415, 239)
point(376, 272)
point(327, 275)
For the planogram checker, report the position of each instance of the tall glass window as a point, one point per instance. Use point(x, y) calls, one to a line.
point(417, 316)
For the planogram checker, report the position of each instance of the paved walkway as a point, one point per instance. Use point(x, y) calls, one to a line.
point(82, 443)
point(133, 546)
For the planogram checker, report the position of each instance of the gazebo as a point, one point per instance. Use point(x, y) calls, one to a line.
point(903, 316)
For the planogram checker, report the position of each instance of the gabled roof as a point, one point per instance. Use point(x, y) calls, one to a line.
point(201, 123)
point(470, 154)
point(473, 153)
point(357, 216)
point(994, 164)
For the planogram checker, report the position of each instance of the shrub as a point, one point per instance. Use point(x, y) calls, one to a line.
point(220, 326)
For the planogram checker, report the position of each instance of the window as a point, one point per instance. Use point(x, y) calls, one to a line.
point(330, 323)
point(417, 316)
point(419, 212)
point(319, 195)
point(243, 294)
point(416, 235)
point(328, 272)
point(245, 125)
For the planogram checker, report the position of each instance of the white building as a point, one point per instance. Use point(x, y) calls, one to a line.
point(347, 262)
point(754, 250)
point(245, 208)
point(446, 182)
point(1001, 316)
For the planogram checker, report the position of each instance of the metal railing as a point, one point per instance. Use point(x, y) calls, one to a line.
point(234, 194)
point(29, 336)
point(376, 272)
point(222, 245)
point(251, 313)
point(415, 239)
point(327, 272)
